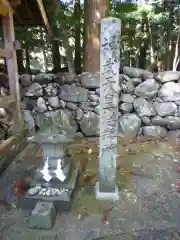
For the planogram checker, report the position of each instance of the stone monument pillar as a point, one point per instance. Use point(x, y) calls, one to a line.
point(55, 178)
point(106, 188)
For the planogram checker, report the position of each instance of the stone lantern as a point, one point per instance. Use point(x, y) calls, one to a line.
point(55, 179)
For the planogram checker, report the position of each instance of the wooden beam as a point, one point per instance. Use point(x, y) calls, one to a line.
point(29, 11)
point(16, 45)
point(5, 52)
point(9, 149)
point(7, 4)
point(9, 38)
point(44, 16)
point(6, 101)
point(6, 144)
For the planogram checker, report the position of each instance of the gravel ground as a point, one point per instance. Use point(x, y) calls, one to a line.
point(149, 203)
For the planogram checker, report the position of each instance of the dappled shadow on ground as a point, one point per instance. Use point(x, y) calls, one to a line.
point(147, 177)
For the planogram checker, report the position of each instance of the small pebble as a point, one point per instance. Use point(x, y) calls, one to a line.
point(89, 151)
point(175, 161)
point(51, 191)
point(33, 191)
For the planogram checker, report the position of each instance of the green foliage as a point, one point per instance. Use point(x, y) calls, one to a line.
point(155, 23)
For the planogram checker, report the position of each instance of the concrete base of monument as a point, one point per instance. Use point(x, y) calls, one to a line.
point(106, 196)
point(62, 202)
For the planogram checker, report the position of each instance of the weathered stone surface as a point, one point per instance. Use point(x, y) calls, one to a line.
point(144, 108)
point(86, 106)
point(51, 90)
point(151, 96)
point(34, 90)
point(128, 98)
point(43, 216)
point(173, 123)
point(126, 107)
point(44, 78)
point(90, 81)
point(170, 91)
point(148, 89)
point(56, 121)
point(54, 102)
point(69, 124)
point(136, 72)
point(165, 109)
point(154, 131)
point(136, 81)
point(97, 109)
point(129, 125)
point(29, 123)
point(79, 113)
point(127, 86)
point(62, 103)
point(121, 78)
point(157, 99)
point(106, 189)
point(93, 97)
point(66, 78)
point(167, 76)
point(25, 80)
point(89, 124)
point(97, 91)
point(71, 105)
point(73, 94)
point(41, 105)
point(146, 120)
point(159, 121)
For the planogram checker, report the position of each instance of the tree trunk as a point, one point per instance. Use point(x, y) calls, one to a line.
point(94, 11)
point(77, 14)
point(28, 69)
point(56, 56)
point(176, 54)
point(19, 54)
point(142, 55)
point(65, 39)
point(144, 41)
point(45, 60)
point(152, 55)
point(169, 55)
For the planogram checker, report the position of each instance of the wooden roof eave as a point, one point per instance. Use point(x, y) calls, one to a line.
point(44, 16)
point(42, 10)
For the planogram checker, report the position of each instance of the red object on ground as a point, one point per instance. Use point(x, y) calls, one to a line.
point(178, 169)
point(20, 186)
point(105, 220)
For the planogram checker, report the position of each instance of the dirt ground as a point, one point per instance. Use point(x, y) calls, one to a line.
point(148, 180)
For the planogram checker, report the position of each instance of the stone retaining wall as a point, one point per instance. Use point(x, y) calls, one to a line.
point(149, 104)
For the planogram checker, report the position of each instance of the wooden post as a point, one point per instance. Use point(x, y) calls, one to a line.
point(12, 69)
point(106, 188)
